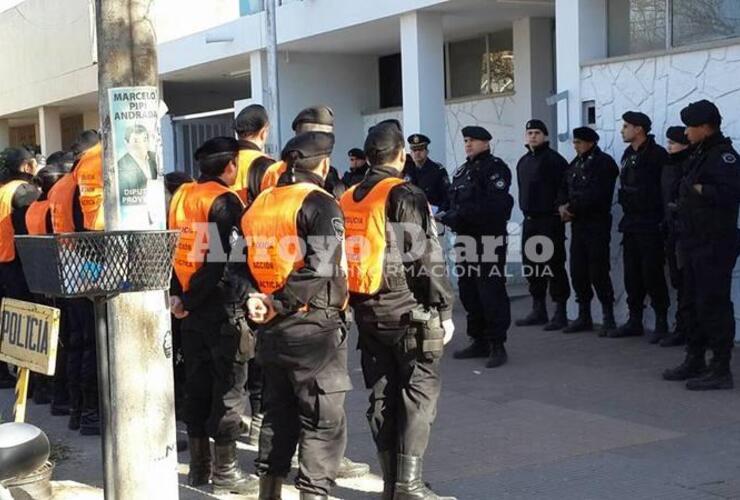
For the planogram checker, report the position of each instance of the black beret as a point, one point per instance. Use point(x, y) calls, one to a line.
point(537, 125)
point(638, 119)
point(701, 113)
point(315, 115)
point(586, 134)
point(356, 153)
point(390, 121)
point(218, 146)
point(173, 181)
point(251, 119)
point(677, 134)
point(310, 145)
point(419, 141)
point(385, 136)
point(475, 132)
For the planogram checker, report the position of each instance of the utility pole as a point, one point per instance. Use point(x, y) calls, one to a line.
point(272, 70)
point(136, 381)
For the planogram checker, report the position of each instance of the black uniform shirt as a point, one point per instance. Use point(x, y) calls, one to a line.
point(433, 179)
point(588, 186)
point(640, 190)
point(22, 199)
point(540, 173)
point(354, 175)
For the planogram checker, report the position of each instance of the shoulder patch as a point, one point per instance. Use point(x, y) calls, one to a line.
point(460, 170)
point(500, 184)
point(729, 158)
point(338, 225)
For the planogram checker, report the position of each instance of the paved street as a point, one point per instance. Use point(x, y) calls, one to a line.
point(570, 417)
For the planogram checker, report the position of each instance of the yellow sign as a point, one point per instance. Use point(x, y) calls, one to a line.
point(28, 335)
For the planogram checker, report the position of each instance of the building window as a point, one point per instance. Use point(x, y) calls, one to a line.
point(249, 7)
point(391, 81)
point(481, 66)
point(636, 26)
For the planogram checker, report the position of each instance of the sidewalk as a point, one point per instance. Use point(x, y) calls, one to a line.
point(570, 417)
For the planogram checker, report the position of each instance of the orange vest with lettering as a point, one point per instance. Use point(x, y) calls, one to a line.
point(189, 211)
point(61, 197)
point(365, 233)
point(272, 175)
point(36, 218)
point(7, 233)
point(271, 233)
point(244, 162)
point(89, 175)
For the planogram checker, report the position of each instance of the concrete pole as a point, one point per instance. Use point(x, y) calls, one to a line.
point(50, 130)
point(272, 71)
point(137, 395)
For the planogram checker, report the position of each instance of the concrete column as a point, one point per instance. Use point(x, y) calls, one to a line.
point(580, 30)
point(91, 120)
point(50, 130)
point(4, 134)
point(258, 76)
point(534, 62)
point(422, 56)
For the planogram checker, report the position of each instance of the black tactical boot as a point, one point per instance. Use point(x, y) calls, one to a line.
point(661, 328)
point(349, 469)
point(200, 461)
point(538, 315)
point(90, 416)
point(477, 349)
point(270, 488)
point(583, 323)
point(677, 338)
point(387, 461)
point(718, 377)
point(693, 366)
point(607, 324)
point(227, 477)
point(254, 429)
point(632, 328)
point(559, 318)
point(498, 356)
point(409, 485)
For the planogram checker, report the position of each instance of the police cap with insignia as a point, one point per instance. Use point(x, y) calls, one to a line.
point(701, 113)
point(419, 141)
point(586, 134)
point(251, 119)
point(309, 145)
point(638, 119)
point(476, 132)
point(677, 134)
point(537, 125)
point(321, 118)
point(356, 153)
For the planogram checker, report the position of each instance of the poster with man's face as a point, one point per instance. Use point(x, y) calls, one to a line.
point(136, 140)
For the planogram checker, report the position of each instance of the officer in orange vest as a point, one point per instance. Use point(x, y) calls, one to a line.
point(17, 167)
point(402, 301)
point(313, 119)
point(209, 299)
point(294, 234)
point(252, 128)
point(38, 216)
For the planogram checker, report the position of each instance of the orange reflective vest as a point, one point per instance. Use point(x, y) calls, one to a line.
point(36, 217)
point(272, 175)
point(244, 162)
point(270, 229)
point(365, 233)
point(7, 233)
point(89, 175)
point(61, 198)
point(189, 211)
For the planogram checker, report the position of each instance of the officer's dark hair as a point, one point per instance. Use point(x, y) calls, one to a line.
point(173, 181)
point(85, 141)
point(57, 165)
point(251, 120)
point(383, 144)
point(215, 165)
point(136, 130)
point(215, 155)
point(12, 161)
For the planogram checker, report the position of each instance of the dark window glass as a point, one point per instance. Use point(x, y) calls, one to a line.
point(391, 81)
point(636, 26)
point(696, 21)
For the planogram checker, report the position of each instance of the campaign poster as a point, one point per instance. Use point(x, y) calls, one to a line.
point(136, 138)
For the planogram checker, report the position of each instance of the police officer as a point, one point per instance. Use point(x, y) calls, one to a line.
point(429, 175)
point(299, 299)
point(252, 128)
point(403, 309)
point(209, 300)
point(708, 197)
point(357, 167)
point(679, 152)
point(585, 200)
point(480, 207)
point(17, 167)
point(642, 244)
point(540, 173)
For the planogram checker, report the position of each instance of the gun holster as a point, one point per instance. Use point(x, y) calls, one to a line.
point(246, 339)
point(425, 334)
